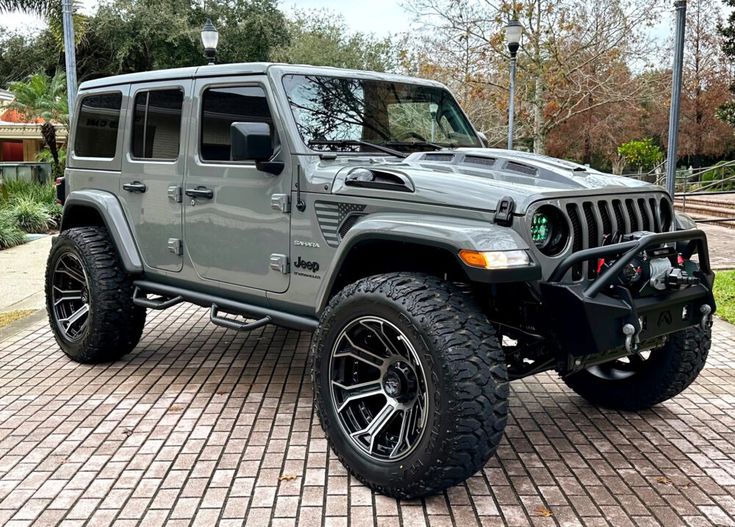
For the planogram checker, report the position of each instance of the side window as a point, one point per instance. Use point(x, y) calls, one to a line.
point(97, 125)
point(223, 106)
point(157, 124)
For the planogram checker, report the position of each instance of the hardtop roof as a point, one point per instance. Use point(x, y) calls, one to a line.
point(243, 68)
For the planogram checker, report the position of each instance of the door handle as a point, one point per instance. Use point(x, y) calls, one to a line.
point(200, 192)
point(135, 186)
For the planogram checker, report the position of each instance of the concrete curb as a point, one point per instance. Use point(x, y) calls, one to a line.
point(24, 323)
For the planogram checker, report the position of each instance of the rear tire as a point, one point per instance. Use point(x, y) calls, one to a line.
point(89, 297)
point(420, 351)
point(665, 374)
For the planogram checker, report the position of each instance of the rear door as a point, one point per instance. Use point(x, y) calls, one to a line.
point(153, 169)
point(235, 235)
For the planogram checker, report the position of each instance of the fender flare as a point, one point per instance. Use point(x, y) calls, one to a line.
point(108, 207)
point(443, 232)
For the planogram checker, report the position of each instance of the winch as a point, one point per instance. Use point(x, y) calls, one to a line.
point(653, 270)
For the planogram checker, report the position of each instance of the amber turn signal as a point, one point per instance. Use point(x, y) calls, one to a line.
point(494, 259)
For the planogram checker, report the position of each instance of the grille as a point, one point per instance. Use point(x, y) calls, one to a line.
point(591, 221)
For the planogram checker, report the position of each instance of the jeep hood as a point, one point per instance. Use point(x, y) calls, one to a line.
point(470, 178)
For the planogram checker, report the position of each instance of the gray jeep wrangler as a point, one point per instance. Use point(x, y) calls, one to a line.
point(364, 207)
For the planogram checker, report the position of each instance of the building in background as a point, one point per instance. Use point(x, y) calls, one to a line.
point(20, 140)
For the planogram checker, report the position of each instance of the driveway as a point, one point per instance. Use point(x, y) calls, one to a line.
point(200, 425)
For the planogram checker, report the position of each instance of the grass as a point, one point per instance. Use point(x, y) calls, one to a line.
point(11, 316)
point(725, 295)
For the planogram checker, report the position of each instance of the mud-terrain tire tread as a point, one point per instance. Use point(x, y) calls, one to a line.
point(675, 366)
point(115, 324)
point(472, 357)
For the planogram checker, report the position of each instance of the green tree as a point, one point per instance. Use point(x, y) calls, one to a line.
point(643, 154)
point(22, 55)
point(51, 11)
point(140, 35)
point(321, 38)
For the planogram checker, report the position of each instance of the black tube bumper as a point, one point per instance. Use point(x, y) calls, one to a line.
point(587, 320)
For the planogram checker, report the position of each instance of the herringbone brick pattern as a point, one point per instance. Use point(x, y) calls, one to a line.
point(204, 426)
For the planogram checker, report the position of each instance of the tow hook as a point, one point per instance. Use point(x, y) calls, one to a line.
point(706, 311)
point(631, 338)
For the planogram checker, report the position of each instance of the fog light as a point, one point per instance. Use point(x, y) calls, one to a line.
point(494, 259)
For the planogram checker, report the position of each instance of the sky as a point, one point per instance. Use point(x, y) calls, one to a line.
point(380, 17)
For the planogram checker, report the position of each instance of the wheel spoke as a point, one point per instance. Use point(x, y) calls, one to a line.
point(364, 355)
point(382, 337)
point(67, 270)
point(358, 391)
point(66, 294)
point(402, 434)
point(376, 426)
point(74, 317)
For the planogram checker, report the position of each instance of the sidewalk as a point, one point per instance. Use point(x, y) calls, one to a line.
point(721, 242)
point(22, 271)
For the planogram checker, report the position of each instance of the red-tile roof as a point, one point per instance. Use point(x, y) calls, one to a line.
point(13, 116)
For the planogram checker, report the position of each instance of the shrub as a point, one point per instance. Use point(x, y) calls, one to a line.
point(54, 211)
point(15, 190)
point(719, 172)
point(30, 215)
point(10, 234)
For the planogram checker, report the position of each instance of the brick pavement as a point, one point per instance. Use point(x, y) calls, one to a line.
point(201, 426)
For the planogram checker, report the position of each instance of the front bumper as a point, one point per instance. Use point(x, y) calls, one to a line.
point(587, 319)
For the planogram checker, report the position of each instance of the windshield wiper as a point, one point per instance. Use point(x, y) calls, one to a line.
point(356, 142)
point(435, 146)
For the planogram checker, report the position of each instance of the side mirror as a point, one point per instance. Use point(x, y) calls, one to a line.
point(252, 142)
point(483, 139)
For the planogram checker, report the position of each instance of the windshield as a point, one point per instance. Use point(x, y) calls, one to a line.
point(332, 113)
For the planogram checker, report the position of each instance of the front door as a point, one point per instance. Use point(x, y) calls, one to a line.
point(232, 232)
point(153, 169)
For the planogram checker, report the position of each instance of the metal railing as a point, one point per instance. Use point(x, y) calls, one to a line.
point(686, 179)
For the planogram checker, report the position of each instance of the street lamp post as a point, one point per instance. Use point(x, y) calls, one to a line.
point(676, 73)
point(69, 54)
point(210, 38)
point(513, 32)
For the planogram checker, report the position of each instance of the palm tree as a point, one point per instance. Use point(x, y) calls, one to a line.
point(44, 97)
point(41, 96)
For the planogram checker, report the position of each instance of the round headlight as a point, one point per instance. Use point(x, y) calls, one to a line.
point(540, 229)
point(549, 230)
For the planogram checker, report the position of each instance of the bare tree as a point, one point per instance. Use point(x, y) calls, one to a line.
point(570, 60)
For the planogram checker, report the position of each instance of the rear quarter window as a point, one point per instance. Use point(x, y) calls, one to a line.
point(97, 125)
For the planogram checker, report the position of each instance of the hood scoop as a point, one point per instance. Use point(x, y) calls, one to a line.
point(379, 179)
point(510, 166)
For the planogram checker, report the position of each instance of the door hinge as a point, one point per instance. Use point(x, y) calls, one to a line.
point(174, 193)
point(281, 202)
point(175, 246)
point(279, 262)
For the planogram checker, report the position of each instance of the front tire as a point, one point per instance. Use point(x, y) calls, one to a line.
point(89, 297)
point(640, 384)
point(410, 383)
